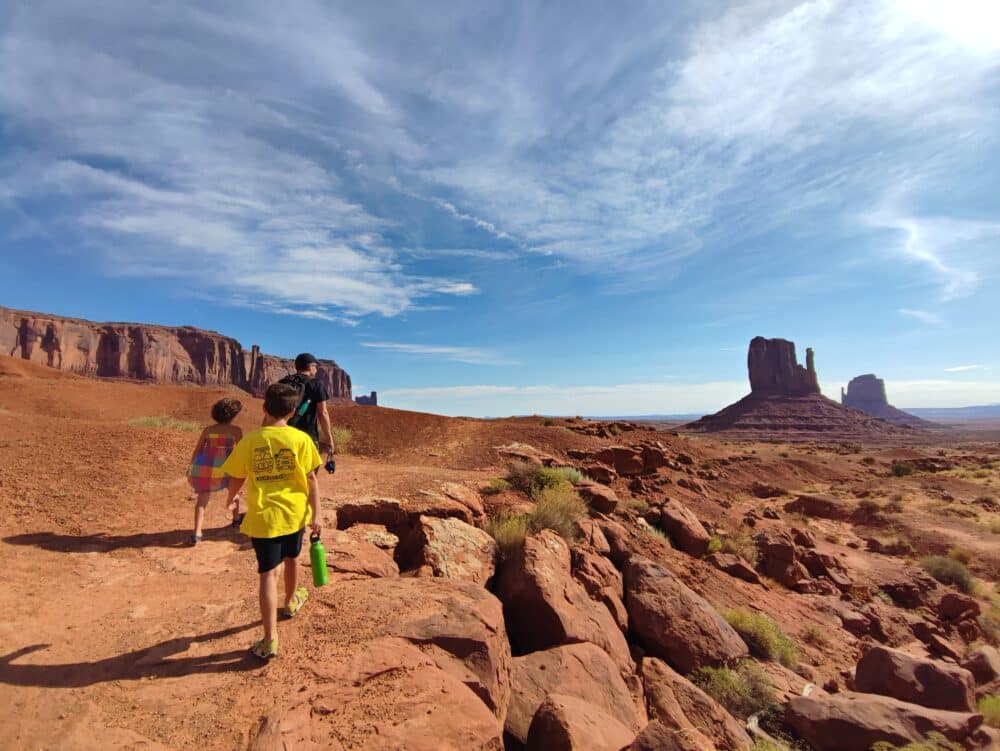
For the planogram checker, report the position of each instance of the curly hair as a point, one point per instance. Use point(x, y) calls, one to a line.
point(225, 410)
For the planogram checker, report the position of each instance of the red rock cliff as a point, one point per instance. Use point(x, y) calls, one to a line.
point(152, 353)
point(774, 369)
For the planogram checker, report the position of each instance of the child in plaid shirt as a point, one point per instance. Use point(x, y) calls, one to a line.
point(214, 446)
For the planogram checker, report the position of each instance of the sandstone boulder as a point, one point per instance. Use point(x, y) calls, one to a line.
point(779, 560)
point(545, 606)
point(347, 554)
point(684, 529)
point(566, 723)
point(384, 512)
point(654, 457)
point(583, 671)
point(984, 664)
point(602, 473)
point(680, 705)
point(854, 722)
point(467, 497)
point(658, 737)
point(671, 621)
point(522, 452)
point(602, 581)
point(919, 681)
point(955, 606)
point(598, 497)
point(592, 537)
point(822, 506)
point(456, 550)
point(626, 461)
point(376, 535)
point(734, 566)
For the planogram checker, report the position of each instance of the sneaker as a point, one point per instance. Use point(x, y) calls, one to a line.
point(299, 598)
point(264, 650)
point(195, 539)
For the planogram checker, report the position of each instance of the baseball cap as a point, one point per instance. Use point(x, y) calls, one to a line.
point(304, 360)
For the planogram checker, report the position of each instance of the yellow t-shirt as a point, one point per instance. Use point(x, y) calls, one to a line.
point(275, 461)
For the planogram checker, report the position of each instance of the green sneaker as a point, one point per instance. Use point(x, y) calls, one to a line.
point(264, 650)
point(299, 598)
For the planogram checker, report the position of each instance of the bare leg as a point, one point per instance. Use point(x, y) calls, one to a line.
point(269, 603)
point(291, 577)
point(199, 512)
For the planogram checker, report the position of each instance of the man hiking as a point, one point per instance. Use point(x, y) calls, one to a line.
point(311, 416)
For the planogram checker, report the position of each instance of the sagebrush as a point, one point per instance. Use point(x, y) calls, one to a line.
point(949, 571)
point(743, 690)
point(763, 636)
point(165, 422)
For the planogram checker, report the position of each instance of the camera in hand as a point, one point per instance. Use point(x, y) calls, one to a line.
point(330, 466)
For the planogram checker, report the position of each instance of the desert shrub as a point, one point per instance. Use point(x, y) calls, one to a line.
point(656, 532)
point(989, 624)
point(868, 460)
point(521, 476)
point(495, 486)
point(714, 545)
point(558, 508)
point(509, 531)
point(900, 468)
point(784, 454)
point(995, 526)
point(548, 422)
point(763, 636)
point(638, 505)
point(933, 742)
point(533, 479)
point(960, 554)
point(743, 690)
point(948, 571)
point(341, 438)
point(165, 422)
point(743, 545)
point(849, 448)
point(814, 635)
point(868, 507)
point(893, 506)
point(989, 708)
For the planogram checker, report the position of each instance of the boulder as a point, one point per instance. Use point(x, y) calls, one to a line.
point(684, 529)
point(654, 457)
point(598, 497)
point(522, 452)
point(347, 554)
point(602, 581)
point(456, 550)
point(658, 737)
point(911, 588)
point(621, 540)
point(375, 534)
point(592, 536)
point(566, 723)
point(850, 721)
point(626, 461)
point(671, 621)
point(822, 506)
point(545, 606)
point(467, 497)
point(912, 679)
point(825, 565)
point(678, 704)
point(384, 512)
point(984, 664)
point(779, 560)
point(599, 472)
point(734, 566)
point(583, 671)
point(955, 606)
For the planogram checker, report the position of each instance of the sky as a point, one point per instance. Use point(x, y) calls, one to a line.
point(487, 208)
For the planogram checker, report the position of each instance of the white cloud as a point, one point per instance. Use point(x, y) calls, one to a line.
point(468, 355)
point(964, 368)
point(921, 315)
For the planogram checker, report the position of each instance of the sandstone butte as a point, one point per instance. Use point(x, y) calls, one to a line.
point(867, 394)
point(143, 352)
point(785, 400)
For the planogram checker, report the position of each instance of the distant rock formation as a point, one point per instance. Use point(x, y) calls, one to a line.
point(774, 369)
point(160, 354)
point(867, 393)
point(368, 401)
point(785, 400)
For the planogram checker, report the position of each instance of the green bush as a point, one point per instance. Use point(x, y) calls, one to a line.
point(948, 571)
point(558, 508)
point(509, 531)
point(714, 545)
point(893, 506)
point(868, 460)
point(900, 468)
point(637, 505)
point(960, 554)
point(989, 708)
point(495, 486)
point(933, 742)
point(742, 691)
point(995, 526)
point(763, 636)
point(868, 507)
point(165, 422)
point(533, 479)
point(743, 545)
point(341, 438)
point(814, 635)
point(548, 422)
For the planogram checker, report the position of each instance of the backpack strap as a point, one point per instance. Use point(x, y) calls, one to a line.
point(298, 382)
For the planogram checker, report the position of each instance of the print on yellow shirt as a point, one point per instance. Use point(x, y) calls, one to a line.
point(276, 462)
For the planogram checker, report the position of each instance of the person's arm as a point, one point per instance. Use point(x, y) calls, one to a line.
point(326, 434)
point(316, 524)
point(235, 486)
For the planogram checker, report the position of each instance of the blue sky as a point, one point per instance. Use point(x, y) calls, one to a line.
point(499, 208)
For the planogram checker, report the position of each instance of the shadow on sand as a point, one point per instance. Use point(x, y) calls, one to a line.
point(151, 662)
point(103, 543)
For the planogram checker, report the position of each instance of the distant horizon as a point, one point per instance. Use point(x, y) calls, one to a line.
point(496, 208)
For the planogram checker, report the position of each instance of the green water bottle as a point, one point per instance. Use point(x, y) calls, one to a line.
point(317, 555)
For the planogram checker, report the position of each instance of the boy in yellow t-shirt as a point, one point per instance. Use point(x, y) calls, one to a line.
point(278, 464)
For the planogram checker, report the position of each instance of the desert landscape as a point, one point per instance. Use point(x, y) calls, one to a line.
point(787, 573)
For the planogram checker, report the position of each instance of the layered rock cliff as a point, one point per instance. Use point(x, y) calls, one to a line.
point(867, 393)
point(160, 354)
point(774, 369)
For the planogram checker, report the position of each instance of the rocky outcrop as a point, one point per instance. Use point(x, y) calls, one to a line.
point(774, 369)
point(367, 400)
point(161, 354)
point(867, 394)
point(929, 683)
point(566, 723)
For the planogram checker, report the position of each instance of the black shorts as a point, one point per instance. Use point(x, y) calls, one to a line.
point(273, 550)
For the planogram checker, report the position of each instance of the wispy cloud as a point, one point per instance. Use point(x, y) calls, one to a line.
point(468, 355)
point(964, 368)
point(921, 315)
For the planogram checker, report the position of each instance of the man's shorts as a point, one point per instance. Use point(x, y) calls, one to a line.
point(273, 550)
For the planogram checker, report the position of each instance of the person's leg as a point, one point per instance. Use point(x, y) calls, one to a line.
point(269, 603)
point(291, 578)
point(199, 512)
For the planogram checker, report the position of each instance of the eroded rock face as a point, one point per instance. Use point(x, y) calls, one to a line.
point(456, 550)
point(566, 723)
point(775, 370)
point(867, 394)
point(671, 621)
point(929, 683)
point(683, 527)
point(658, 737)
point(855, 722)
point(583, 671)
point(150, 353)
